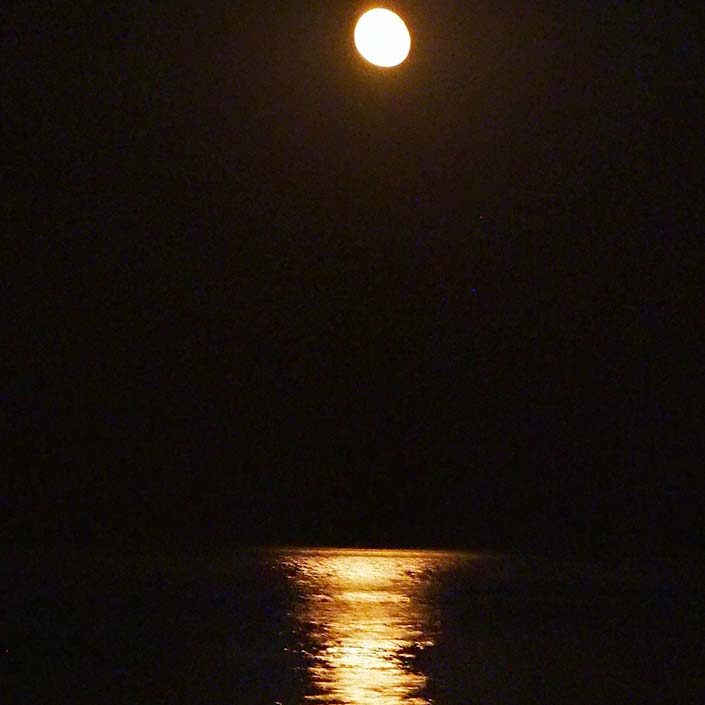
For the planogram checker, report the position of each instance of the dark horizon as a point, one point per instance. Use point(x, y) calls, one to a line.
point(260, 292)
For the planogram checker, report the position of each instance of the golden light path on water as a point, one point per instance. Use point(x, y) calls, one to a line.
point(366, 615)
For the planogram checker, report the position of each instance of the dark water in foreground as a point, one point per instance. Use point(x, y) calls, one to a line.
point(349, 626)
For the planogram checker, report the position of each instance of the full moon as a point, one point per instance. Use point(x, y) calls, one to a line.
point(382, 38)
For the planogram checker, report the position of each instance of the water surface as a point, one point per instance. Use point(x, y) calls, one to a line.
point(356, 627)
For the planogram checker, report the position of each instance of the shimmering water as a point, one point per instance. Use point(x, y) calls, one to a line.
point(356, 627)
point(366, 615)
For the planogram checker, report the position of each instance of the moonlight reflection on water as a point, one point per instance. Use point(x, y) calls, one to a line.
point(366, 615)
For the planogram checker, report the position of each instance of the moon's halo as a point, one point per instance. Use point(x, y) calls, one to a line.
point(382, 38)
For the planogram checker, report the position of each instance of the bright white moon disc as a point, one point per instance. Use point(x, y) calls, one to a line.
point(382, 38)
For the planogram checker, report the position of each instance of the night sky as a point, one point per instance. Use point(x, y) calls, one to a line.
point(260, 291)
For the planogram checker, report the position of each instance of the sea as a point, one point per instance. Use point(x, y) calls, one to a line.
point(291, 626)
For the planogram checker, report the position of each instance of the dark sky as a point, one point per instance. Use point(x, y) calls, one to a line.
point(259, 291)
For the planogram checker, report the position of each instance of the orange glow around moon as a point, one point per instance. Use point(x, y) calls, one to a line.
point(382, 38)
